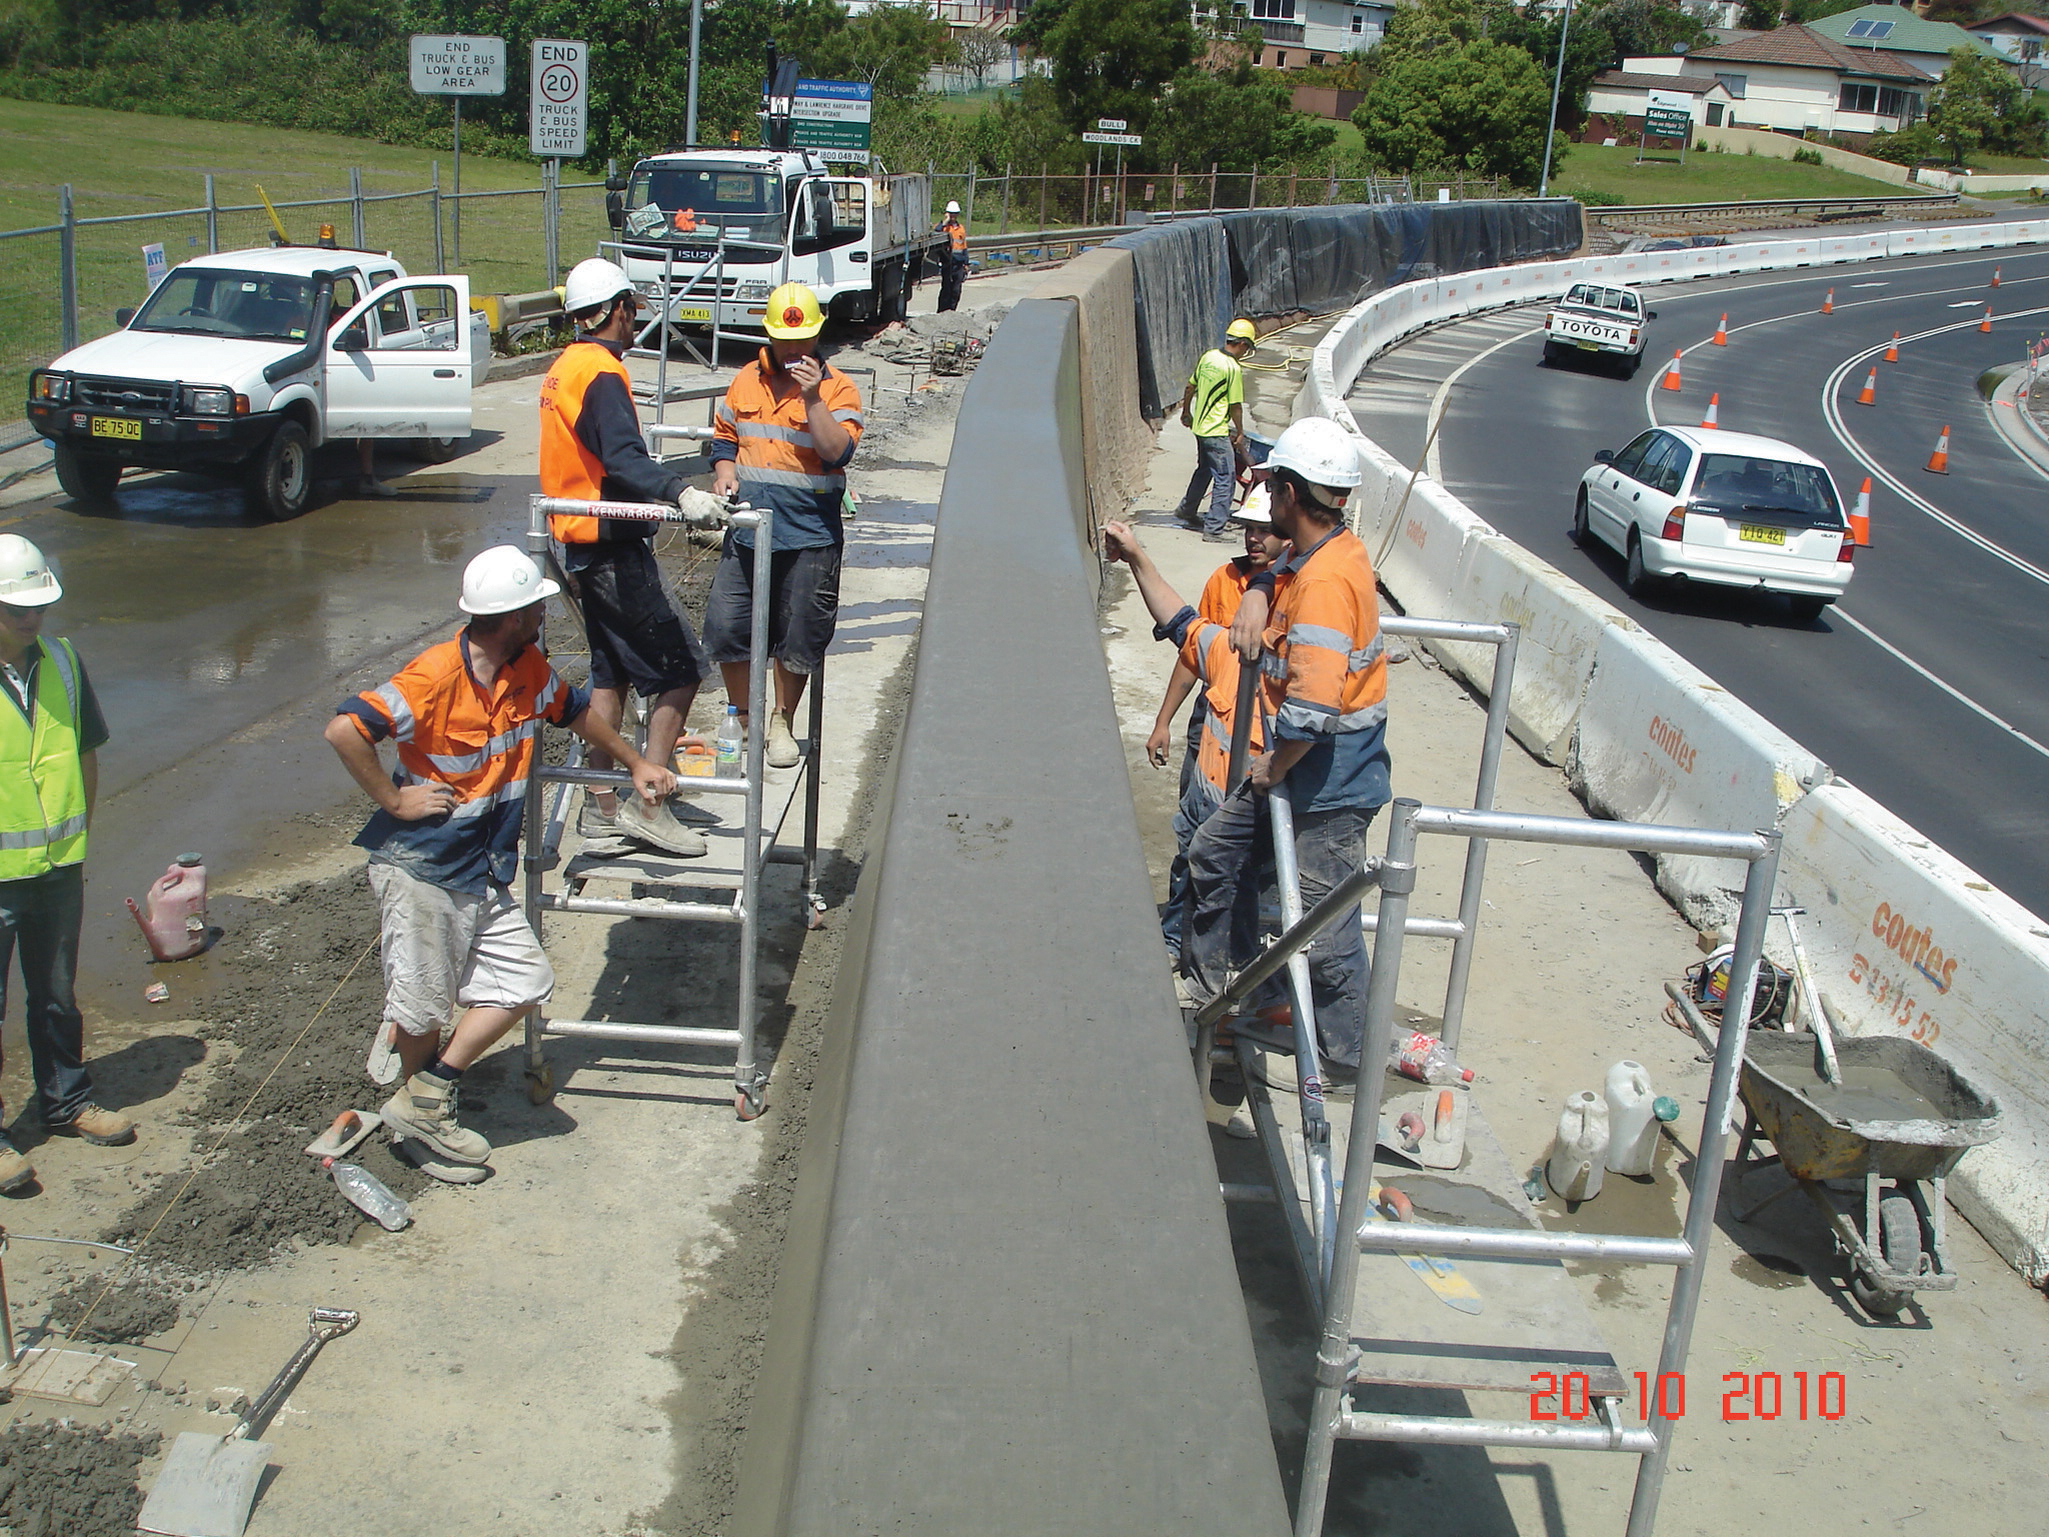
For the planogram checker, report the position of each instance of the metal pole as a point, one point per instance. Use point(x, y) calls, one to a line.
point(356, 229)
point(67, 265)
point(1252, 197)
point(213, 219)
point(1397, 880)
point(1308, 1057)
point(455, 215)
point(690, 96)
point(551, 171)
point(1557, 83)
point(1498, 697)
point(1045, 176)
point(746, 1083)
point(1212, 186)
point(1174, 190)
point(668, 304)
point(434, 194)
point(814, 903)
point(970, 203)
point(1707, 1172)
point(1241, 725)
point(1003, 228)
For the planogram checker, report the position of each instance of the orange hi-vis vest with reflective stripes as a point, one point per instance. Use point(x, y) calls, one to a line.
point(568, 468)
point(957, 233)
point(1208, 653)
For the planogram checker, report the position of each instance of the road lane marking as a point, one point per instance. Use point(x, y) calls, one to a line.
point(1957, 694)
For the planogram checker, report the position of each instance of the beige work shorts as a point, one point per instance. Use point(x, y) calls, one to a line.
point(443, 949)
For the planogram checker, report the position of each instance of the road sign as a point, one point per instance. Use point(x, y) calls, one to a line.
point(831, 114)
point(1669, 101)
point(1667, 125)
point(559, 110)
point(1111, 124)
point(458, 66)
point(1112, 138)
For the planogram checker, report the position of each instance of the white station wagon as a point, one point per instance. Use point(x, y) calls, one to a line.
point(1697, 504)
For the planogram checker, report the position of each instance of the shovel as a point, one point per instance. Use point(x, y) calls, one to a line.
point(209, 1482)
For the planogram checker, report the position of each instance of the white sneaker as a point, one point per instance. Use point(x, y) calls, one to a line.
point(654, 825)
point(782, 745)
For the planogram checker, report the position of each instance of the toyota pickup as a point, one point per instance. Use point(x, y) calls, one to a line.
point(1598, 319)
point(242, 363)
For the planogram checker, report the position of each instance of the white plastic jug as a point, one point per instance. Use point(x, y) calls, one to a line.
point(1575, 1165)
point(1632, 1128)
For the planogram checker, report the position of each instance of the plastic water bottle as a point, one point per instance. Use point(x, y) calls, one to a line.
point(371, 1194)
point(1426, 1059)
point(727, 744)
point(1578, 1152)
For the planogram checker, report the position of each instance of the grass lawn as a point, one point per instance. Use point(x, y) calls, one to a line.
point(1705, 178)
point(133, 163)
point(2008, 165)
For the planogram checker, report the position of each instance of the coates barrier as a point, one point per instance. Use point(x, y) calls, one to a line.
point(1901, 938)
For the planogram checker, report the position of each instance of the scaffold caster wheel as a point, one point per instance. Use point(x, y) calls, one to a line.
point(540, 1084)
point(814, 913)
point(749, 1103)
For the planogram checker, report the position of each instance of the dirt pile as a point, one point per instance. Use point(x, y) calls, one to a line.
point(67, 1481)
point(126, 1311)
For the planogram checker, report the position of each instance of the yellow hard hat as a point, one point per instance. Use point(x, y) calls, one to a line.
point(793, 313)
point(1242, 330)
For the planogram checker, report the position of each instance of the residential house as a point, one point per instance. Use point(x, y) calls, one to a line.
point(1896, 30)
point(1617, 98)
point(2023, 41)
point(1301, 33)
point(1798, 80)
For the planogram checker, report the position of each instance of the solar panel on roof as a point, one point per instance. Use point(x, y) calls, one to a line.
point(1868, 28)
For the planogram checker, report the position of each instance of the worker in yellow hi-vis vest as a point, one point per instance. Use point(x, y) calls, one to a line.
point(51, 730)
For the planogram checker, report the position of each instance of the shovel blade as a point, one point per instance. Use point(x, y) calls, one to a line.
point(207, 1487)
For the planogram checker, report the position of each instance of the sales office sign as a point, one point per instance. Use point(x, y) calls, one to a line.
point(458, 66)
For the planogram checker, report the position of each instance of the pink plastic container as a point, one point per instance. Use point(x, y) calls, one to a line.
point(175, 925)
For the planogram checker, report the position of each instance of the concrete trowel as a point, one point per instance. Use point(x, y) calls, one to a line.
point(209, 1483)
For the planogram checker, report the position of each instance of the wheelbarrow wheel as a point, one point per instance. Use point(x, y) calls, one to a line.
point(1899, 1240)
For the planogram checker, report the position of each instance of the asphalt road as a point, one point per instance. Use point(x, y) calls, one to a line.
point(1926, 687)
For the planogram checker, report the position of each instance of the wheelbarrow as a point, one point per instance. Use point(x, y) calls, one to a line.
point(1894, 1115)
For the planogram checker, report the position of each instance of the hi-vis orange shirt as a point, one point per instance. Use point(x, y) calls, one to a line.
point(764, 426)
point(957, 234)
point(1325, 675)
point(1206, 651)
point(451, 730)
point(568, 467)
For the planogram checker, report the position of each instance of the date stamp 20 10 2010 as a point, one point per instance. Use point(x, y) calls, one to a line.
point(1746, 1396)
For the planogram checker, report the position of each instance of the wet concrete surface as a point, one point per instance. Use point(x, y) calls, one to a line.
point(219, 644)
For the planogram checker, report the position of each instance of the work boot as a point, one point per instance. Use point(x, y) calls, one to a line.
point(782, 745)
point(99, 1126)
point(370, 487)
point(424, 1109)
point(15, 1170)
point(656, 826)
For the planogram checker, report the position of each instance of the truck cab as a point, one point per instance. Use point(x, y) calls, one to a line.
point(241, 363)
point(726, 227)
point(1602, 319)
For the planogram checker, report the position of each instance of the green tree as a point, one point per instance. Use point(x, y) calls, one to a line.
point(1640, 28)
point(1112, 58)
point(1237, 120)
point(890, 47)
point(1976, 105)
point(1478, 106)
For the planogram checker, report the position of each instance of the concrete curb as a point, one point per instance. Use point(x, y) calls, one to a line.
point(2014, 415)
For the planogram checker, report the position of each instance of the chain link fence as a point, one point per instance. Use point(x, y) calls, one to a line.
point(61, 283)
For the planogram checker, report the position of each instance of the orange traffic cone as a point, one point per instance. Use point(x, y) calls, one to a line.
point(1860, 517)
point(1995, 277)
point(1828, 305)
point(1714, 410)
point(1985, 325)
point(1938, 462)
point(1722, 331)
point(1868, 396)
point(1892, 353)
point(1672, 374)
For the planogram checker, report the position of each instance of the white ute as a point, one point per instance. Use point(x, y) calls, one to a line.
point(1599, 319)
point(242, 363)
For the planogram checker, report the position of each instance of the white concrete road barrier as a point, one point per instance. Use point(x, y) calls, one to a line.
point(1905, 939)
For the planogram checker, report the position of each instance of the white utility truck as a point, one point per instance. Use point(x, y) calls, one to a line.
point(773, 216)
point(1602, 319)
point(241, 364)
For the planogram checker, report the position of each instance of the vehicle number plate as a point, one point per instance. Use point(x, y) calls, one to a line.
point(116, 427)
point(699, 314)
point(1587, 346)
point(1752, 533)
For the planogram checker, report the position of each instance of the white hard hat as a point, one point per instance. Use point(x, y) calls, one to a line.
point(953, 207)
point(1320, 451)
point(1254, 508)
point(502, 579)
point(26, 580)
point(592, 283)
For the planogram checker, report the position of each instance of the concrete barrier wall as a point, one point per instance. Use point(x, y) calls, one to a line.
point(1115, 439)
point(1779, 146)
point(1006, 1226)
point(1646, 735)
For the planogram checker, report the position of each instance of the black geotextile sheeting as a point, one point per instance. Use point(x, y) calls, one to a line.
point(1193, 275)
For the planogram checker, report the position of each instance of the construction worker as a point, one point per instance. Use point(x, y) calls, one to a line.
point(1213, 408)
point(592, 450)
point(444, 841)
point(781, 441)
point(1218, 605)
point(51, 732)
point(953, 268)
point(1324, 687)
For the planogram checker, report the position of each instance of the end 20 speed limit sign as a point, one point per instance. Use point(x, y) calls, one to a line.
point(560, 107)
